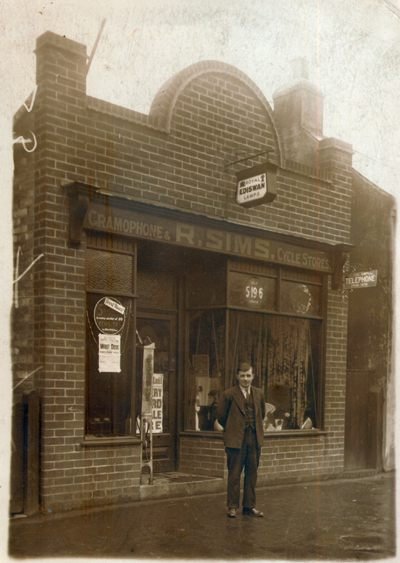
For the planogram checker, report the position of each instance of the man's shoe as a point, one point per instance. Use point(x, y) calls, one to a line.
point(253, 512)
point(232, 513)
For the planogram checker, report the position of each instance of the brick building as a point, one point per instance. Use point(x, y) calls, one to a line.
point(137, 234)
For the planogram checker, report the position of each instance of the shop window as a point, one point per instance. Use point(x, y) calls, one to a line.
point(109, 341)
point(300, 298)
point(285, 354)
point(273, 317)
point(252, 292)
point(206, 367)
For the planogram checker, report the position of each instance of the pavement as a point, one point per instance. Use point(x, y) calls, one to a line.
point(346, 519)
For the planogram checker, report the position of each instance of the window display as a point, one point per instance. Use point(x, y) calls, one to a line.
point(285, 354)
point(272, 318)
point(206, 366)
point(109, 336)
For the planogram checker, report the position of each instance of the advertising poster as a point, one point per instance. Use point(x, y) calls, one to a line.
point(157, 400)
point(109, 353)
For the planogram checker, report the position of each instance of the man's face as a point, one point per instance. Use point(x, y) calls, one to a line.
point(245, 377)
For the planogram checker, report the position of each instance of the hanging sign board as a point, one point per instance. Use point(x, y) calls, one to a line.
point(109, 315)
point(157, 403)
point(256, 185)
point(109, 353)
point(361, 279)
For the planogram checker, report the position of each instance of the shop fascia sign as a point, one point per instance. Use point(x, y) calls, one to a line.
point(256, 185)
point(361, 279)
point(102, 217)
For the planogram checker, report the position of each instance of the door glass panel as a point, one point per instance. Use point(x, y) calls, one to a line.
point(158, 332)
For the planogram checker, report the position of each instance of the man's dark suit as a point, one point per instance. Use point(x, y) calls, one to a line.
point(242, 443)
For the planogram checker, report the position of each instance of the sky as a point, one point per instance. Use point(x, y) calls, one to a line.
point(352, 48)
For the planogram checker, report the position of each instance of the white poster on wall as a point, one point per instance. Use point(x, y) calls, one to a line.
point(157, 402)
point(110, 353)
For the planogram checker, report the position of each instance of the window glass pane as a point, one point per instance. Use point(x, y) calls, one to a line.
point(292, 377)
point(285, 355)
point(109, 271)
point(252, 292)
point(300, 298)
point(206, 367)
point(109, 365)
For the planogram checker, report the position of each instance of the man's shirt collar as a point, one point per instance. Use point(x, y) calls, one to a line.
point(245, 391)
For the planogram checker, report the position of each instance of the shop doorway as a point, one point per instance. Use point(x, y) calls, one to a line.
point(161, 330)
point(364, 420)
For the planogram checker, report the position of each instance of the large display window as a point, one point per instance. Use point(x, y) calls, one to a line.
point(206, 366)
point(109, 336)
point(274, 318)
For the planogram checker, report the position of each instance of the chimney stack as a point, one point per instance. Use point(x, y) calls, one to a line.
point(298, 110)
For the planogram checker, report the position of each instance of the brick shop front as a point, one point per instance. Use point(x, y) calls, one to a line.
point(143, 239)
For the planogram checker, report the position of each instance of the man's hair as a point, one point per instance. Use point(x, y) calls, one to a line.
point(244, 366)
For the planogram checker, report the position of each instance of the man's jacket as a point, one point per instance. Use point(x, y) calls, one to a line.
point(231, 415)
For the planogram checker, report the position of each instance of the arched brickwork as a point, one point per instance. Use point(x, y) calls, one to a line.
point(166, 100)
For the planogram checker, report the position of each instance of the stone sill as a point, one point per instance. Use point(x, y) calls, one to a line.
point(93, 441)
point(276, 434)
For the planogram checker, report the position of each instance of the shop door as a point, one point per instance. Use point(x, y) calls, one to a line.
point(161, 330)
point(364, 420)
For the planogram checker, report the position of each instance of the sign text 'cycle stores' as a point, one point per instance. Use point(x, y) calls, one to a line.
point(136, 224)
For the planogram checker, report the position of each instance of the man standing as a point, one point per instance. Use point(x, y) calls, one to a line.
point(241, 412)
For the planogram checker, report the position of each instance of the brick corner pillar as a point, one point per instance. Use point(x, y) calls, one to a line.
point(59, 126)
point(59, 282)
point(61, 62)
point(335, 162)
point(335, 159)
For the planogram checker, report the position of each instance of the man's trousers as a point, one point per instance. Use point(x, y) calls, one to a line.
point(247, 457)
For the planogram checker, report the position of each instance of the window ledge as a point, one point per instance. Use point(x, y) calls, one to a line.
point(203, 433)
point(294, 433)
point(274, 434)
point(94, 441)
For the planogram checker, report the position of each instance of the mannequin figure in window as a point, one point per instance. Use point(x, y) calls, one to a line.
point(241, 412)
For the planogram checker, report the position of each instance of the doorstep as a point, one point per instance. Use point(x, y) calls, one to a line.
point(359, 473)
point(176, 484)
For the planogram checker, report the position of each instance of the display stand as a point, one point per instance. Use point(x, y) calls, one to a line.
point(146, 362)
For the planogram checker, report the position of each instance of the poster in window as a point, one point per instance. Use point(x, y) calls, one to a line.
point(109, 315)
point(157, 403)
point(109, 353)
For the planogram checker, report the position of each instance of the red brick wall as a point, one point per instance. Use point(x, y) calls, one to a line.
point(202, 455)
point(71, 474)
point(213, 117)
